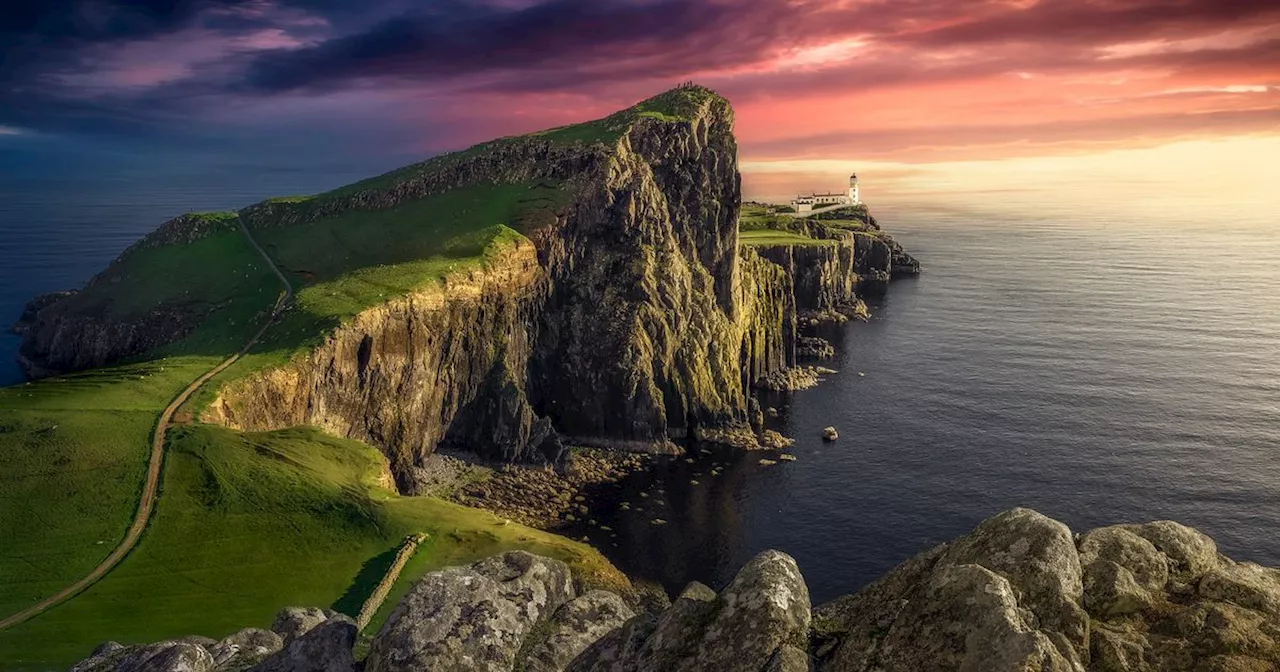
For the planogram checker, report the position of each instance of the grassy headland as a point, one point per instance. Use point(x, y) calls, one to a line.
point(250, 522)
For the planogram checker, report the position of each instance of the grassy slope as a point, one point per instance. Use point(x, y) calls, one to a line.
point(73, 449)
point(73, 452)
point(296, 520)
point(251, 522)
point(771, 237)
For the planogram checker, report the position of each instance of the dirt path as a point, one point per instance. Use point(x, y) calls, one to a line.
point(151, 486)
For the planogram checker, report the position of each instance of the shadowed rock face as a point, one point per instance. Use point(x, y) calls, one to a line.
point(1020, 593)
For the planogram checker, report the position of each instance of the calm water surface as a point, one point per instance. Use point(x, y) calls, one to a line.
point(1098, 368)
point(1100, 365)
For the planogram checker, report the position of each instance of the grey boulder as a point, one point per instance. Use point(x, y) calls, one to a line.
point(324, 648)
point(244, 649)
point(172, 656)
point(573, 627)
point(471, 618)
point(751, 625)
point(293, 622)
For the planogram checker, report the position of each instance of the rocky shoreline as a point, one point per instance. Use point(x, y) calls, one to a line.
point(1020, 593)
point(540, 496)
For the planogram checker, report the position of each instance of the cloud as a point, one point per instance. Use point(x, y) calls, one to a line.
point(896, 75)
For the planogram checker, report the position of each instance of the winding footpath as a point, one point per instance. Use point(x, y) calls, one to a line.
point(149, 489)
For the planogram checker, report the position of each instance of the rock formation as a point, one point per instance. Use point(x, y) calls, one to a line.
point(1021, 593)
point(627, 318)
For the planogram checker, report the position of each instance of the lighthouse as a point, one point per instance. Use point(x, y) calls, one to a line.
point(853, 190)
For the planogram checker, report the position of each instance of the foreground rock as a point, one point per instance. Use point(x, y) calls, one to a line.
point(760, 618)
point(471, 618)
point(1021, 593)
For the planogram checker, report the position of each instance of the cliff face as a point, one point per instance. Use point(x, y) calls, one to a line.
point(71, 331)
point(627, 322)
point(437, 365)
point(627, 316)
point(638, 341)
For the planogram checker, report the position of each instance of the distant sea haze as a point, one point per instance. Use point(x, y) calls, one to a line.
point(1100, 362)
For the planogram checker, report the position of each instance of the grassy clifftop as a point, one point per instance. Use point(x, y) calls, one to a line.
point(249, 522)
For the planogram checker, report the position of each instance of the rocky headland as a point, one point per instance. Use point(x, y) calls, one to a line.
point(1021, 593)
point(626, 316)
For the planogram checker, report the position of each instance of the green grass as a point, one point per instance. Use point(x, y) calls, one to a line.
point(249, 523)
point(770, 237)
point(346, 264)
point(73, 453)
point(677, 105)
point(220, 278)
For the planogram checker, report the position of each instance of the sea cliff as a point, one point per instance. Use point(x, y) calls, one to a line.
point(625, 313)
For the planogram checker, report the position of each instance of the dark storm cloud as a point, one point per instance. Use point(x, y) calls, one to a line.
point(452, 40)
point(52, 77)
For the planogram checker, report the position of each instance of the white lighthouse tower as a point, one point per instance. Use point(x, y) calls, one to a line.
point(854, 198)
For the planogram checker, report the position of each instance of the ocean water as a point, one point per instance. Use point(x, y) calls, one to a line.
point(1112, 363)
point(1098, 365)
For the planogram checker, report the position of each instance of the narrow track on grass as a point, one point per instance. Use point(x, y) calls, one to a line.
point(151, 486)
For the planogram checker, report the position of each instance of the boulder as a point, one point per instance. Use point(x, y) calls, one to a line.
point(967, 617)
point(773, 440)
point(244, 649)
point(324, 648)
point(1246, 584)
point(536, 585)
point(1038, 556)
point(293, 622)
point(1123, 572)
point(471, 618)
point(750, 625)
point(830, 434)
point(573, 627)
point(1191, 551)
point(105, 657)
point(171, 656)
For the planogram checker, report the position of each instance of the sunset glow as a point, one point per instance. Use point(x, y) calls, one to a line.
point(861, 81)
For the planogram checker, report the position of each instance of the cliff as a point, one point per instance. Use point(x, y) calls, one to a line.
point(1020, 593)
point(588, 287)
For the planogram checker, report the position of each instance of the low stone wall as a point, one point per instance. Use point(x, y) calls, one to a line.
point(379, 595)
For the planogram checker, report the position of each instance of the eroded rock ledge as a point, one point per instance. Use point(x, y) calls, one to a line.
point(1021, 593)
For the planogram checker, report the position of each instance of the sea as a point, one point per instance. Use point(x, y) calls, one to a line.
point(1099, 360)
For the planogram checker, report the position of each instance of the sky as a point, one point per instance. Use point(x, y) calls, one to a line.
point(898, 84)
